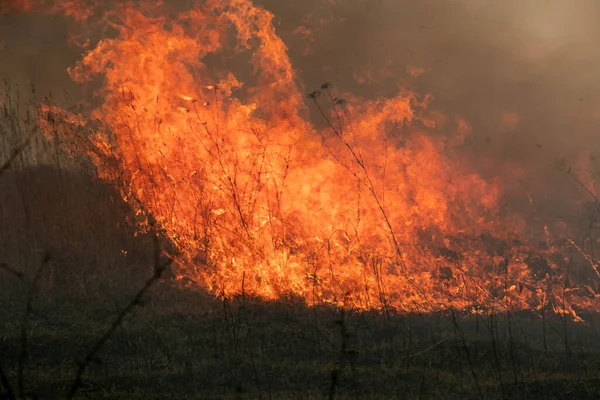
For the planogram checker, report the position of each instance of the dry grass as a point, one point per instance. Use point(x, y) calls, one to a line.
point(86, 329)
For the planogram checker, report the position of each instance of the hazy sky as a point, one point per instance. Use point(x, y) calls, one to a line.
point(481, 58)
point(522, 72)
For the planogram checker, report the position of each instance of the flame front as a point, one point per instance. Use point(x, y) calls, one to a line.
point(255, 198)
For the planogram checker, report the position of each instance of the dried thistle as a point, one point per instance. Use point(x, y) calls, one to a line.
point(314, 95)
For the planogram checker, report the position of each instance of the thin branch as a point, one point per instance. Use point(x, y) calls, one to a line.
point(136, 301)
point(24, 354)
point(13, 156)
point(13, 271)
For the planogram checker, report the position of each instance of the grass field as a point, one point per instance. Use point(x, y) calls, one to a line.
point(183, 344)
point(71, 268)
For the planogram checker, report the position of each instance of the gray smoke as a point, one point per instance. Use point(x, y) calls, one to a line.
point(484, 60)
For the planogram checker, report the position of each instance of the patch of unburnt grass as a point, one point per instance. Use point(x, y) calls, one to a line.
point(183, 344)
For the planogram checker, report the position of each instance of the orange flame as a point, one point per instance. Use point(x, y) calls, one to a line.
point(256, 199)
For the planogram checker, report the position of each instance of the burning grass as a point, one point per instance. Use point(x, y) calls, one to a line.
point(372, 209)
point(337, 254)
point(183, 343)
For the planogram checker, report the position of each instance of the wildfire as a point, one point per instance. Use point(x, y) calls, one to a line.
point(255, 198)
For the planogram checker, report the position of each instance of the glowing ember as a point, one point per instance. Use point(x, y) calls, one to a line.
point(255, 199)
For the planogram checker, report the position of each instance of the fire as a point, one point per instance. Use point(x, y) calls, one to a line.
point(255, 198)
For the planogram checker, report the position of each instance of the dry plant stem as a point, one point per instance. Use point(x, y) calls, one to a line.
point(369, 184)
point(10, 111)
point(495, 351)
point(334, 380)
point(456, 371)
point(160, 343)
point(346, 355)
point(420, 353)
point(12, 271)
point(255, 373)
point(10, 395)
point(564, 307)
point(511, 343)
point(467, 354)
point(529, 350)
point(13, 156)
point(91, 356)
point(544, 325)
point(23, 355)
point(136, 301)
point(578, 181)
point(422, 386)
point(589, 258)
point(335, 373)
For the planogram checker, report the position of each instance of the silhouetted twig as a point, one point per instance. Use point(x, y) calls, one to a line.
point(13, 271)
point(467, 354)
point(24, 354)
point(136, 301)
point(366, 179)
point(13, 156)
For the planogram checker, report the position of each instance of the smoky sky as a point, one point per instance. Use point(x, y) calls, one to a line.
point(523, 73)
point(481, 59)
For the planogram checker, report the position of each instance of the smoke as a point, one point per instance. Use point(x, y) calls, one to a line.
point(35, 50)
point(479, 59)
point(522, 73)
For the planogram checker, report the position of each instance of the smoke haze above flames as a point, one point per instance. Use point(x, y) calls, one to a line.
point(522, 73)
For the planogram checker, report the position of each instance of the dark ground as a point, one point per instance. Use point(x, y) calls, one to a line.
point(183, 344)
